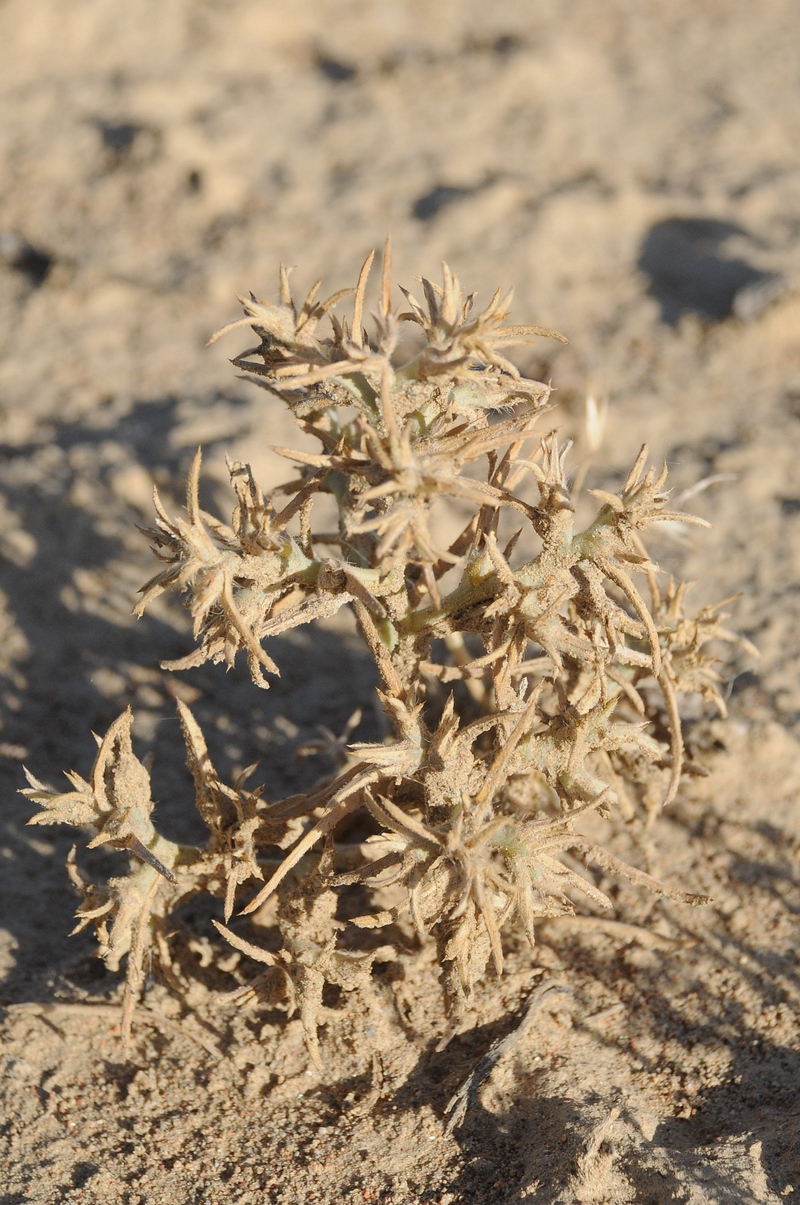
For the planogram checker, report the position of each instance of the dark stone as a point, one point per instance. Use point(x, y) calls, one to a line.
point(426, 207)
point(689, 271)
point(334, 70)
point(119, 137)
point(23, 257)
point(127, 142)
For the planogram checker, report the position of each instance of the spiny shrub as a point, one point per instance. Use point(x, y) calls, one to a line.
point(523, 690)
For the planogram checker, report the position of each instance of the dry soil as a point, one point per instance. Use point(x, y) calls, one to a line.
point(633, 170)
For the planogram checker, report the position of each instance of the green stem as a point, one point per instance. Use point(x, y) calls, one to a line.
point(466, 594)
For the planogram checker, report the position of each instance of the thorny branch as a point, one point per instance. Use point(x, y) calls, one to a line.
point(523, 690)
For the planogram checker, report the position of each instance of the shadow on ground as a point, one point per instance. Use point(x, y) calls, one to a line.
point(70, 584)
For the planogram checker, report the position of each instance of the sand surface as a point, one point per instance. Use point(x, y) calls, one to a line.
point(633, 170)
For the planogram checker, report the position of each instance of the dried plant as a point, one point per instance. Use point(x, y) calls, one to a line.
point(523, 691)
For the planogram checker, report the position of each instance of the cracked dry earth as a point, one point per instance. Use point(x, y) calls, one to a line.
point(633, 170)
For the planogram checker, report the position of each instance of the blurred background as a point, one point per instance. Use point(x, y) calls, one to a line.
point(631, 169)
point(633, 172)
point(158, 158)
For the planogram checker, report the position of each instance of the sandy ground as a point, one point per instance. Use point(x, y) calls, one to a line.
point(633, 169)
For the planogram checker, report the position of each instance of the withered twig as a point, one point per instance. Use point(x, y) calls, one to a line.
point(468, 1092)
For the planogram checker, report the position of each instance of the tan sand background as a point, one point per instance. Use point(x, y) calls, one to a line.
point(158, 157)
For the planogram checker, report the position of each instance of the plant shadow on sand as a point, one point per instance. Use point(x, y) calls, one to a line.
point(689, 1095)
point(76, 658)
point(59, 688)
point(734, 1140)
